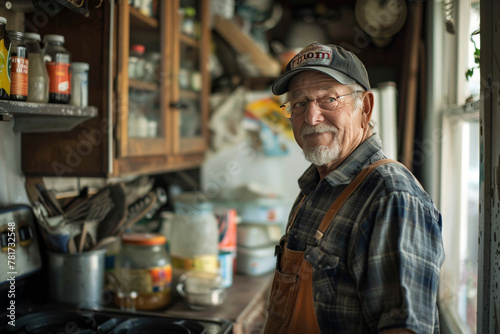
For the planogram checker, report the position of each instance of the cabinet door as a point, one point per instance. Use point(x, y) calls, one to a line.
point(191, 85)
point(142, 91)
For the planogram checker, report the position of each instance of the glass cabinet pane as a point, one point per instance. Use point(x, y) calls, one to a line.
point(144, 65)
point(192, 88)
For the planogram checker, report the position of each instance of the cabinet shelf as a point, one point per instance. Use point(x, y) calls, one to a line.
point(142, 85)
point(140, 20)
point(188, 40)
point(32, 117)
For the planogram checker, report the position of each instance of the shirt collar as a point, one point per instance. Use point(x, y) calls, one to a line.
point(366, 153)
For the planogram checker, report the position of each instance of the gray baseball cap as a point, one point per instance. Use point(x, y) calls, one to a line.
point(340, 64)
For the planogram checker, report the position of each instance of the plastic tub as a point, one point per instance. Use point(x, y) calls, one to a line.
point(255, 261)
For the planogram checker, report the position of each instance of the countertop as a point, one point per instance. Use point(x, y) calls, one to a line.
point(245, 304)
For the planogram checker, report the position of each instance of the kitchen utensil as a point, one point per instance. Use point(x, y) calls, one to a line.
point(137, 210)
point(77, 200)
point(117, 215)
point(104, 242)
point(50, 199)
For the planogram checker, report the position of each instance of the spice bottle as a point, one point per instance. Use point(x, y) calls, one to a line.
point(38, 79)
point(4, 59)
point(19, 64)
point(143, 273)
point(79, 84)
point(58, 62)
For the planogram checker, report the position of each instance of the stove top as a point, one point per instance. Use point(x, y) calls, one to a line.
point(113, 322)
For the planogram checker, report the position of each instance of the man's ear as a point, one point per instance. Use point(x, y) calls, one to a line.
point(367, 110)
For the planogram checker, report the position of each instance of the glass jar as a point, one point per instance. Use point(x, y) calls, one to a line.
point(194, 242)
point(143, 273)
point(38, 79)
point(136, 67)
point(18, 66)
point(4, 58)
point(58, 62)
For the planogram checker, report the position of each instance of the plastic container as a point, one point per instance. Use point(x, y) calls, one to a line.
point(19, 66)
point(79, 84)
point(258, 235)
point(4, 58)
point(143, 272)
point(58, 62)
point(255, 261)
point(38, 79)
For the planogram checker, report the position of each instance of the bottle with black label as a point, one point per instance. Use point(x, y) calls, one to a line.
point(58, 62)
point(4, 61)
point(18, 66)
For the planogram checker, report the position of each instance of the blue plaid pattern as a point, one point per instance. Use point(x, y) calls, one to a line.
point(377, 266)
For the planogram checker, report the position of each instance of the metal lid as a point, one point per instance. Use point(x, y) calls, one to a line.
point(53, 38)
point(32, 35)
point(3, 20)
point(143, 239)
point(15, 34)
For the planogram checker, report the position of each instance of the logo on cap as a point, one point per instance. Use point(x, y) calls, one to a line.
point(313, 55)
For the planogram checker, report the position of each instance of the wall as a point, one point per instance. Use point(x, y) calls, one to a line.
point(12, 189)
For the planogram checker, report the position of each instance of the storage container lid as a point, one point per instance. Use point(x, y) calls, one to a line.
point(33, 35)
point(53, 38)
point(79, 67)
point(143, 239)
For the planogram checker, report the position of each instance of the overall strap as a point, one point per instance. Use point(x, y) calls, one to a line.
point(337, 204)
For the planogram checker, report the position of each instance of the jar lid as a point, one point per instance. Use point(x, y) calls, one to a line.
point(15, 34)
point(33, 35)
point(53, 38)
point(3, 20)
point(143, 239)
point(139, 48)
point(80, 67)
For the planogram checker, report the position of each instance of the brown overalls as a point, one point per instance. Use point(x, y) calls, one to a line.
point(291, 304)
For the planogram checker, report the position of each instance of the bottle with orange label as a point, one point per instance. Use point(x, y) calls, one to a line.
point(18, 66)
point(58, 62)
point(143, 273)
point(4, 61)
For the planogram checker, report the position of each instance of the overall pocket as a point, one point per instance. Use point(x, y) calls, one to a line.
point(283, 295)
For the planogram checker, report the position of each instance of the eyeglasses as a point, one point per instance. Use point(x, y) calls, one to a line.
point(327, 103)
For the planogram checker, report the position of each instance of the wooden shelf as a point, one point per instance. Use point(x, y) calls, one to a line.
point(32, 117)
point(191, 41)
point(140, 20)
point(142, 85)
point(243, 44)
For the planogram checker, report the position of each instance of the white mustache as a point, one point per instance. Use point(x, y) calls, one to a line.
point(320, 128)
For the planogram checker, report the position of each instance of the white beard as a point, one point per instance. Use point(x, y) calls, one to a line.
point(321, 155)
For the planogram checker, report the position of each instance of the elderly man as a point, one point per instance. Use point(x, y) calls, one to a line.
point(363, 247)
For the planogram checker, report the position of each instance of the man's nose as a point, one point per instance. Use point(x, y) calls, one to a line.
point(313, 114)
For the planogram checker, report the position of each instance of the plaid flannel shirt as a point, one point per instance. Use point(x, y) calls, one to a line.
point(377, 266)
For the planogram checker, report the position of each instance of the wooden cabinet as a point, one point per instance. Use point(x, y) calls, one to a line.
point(151, 118)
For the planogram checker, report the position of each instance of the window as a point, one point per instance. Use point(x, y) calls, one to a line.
point(460, 174)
